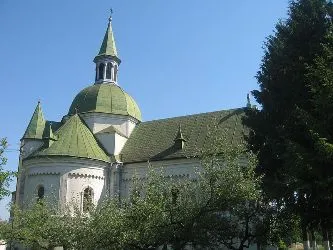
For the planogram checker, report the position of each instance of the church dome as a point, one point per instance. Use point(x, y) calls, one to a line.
point(105, 98)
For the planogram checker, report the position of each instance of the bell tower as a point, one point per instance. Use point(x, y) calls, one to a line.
point(107, 60)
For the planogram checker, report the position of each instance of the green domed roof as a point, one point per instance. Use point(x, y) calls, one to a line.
point(105, 98)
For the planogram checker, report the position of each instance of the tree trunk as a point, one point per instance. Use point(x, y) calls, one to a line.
point(326, 241)
point(305, 236)
point(177, 245)
point(313, 241)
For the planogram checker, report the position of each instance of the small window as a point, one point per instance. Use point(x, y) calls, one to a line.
point(40, 193)
point(108, 70)
point(115, 73)
point(96, 74)
point(87, 199)
point(101, 71)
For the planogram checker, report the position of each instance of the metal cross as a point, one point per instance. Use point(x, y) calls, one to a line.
point(111, 12)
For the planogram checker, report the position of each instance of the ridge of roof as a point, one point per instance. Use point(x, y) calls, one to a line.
point(197, 114)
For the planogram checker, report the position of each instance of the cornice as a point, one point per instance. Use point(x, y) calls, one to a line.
point(81, 175)
point(44, 173)
point(171, 176)
point(51, 161)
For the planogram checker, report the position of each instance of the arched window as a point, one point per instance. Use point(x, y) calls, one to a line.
point(108, 70)
point(101, 71)
point(40, 192)
point(87, 199)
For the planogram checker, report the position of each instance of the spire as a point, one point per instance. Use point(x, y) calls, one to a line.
point(107, 60)
point(108, 47)
point(179, 140)
point(36, 125)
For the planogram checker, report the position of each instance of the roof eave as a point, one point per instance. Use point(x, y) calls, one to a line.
point(106, 56)
point(69, 156)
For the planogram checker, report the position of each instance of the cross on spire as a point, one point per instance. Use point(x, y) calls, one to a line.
point(111, 12)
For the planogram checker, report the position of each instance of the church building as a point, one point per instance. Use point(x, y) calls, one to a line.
point(102, 143)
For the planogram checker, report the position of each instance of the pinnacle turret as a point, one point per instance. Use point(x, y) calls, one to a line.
point(107, 60)
point(180, 140)
point(49, 136)
point(36, 125)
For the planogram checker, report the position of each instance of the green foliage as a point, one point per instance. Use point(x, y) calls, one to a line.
point(5, 176)
point(282, 245)
point(292, 132)
point(218, 205)
point(285, 226)
point(43, 226)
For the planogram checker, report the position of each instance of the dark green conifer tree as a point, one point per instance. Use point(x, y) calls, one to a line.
point(292, 131)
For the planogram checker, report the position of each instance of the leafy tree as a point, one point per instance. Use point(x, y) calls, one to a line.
point(42, 226)
point(292, 132)
point(219, 206)
point(5, 176)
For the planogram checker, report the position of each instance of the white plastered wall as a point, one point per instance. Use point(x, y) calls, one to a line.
point(108, 141)
point(64, 179)
point(51, 185)
point(29, 146)
point(112, 142)
point(119, 143)
point(176, 169)
point(100, 121)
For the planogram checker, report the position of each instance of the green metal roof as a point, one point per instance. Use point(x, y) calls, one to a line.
point(154, 140)
point(108, 47)
point(49, 137)
point(76, 140)
point(36, 125)
point(105, 98)
point(48, 132)
point(51, 125)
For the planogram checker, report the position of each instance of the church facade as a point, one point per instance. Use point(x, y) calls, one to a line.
point(101, 144)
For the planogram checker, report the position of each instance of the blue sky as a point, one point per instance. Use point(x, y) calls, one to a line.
point(178, 57)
